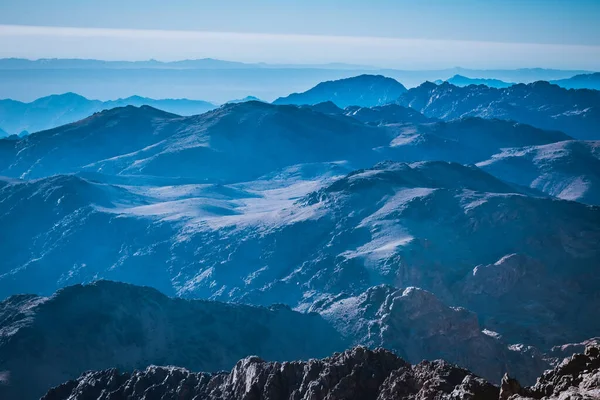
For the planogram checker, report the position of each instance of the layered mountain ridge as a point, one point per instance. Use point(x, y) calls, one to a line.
point(52, 111)
point(541, 104)
point(438, 222)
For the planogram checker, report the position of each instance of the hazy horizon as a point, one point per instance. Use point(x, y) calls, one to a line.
point(307, 65)
point(398, 34)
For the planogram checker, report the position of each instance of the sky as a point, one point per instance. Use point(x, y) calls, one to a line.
point(413, 34)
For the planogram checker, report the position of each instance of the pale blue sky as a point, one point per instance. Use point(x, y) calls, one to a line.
point(412, 33)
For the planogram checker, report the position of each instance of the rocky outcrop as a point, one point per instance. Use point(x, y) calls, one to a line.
point(354, 374)
point(416, 325)
point(559, 353)
point(46, 341)
point(576, 377)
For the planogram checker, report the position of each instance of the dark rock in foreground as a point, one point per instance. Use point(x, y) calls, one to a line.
point(577, 377)
point(355, 374)
point(48, 340)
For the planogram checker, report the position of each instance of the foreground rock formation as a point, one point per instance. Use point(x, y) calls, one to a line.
point(45, 341)
point(577, 377)
point(354, 374)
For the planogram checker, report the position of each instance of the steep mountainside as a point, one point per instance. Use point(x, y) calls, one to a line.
point(354, 374)
point(541, 104)
point(582, 81)
point(103, 135)
point(467, 140)
point(568, 170)
point(298, 239)
point(416, 325)
point(363, 90)
point(239, 142)
point(235, 142)
point(45, 341)
point(53, 111)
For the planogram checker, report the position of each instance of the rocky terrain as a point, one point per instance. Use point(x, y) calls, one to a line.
point(455, 231)
point(567, 170)
point(109, 324)
point(459, 224)
point(236, 142)
point(355, 374)
point(47, 340)
point(416, 325)
point(541, 104)
point(576, 377)
point(243, 141)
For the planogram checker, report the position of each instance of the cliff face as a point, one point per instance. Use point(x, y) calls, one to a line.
point(354, 374)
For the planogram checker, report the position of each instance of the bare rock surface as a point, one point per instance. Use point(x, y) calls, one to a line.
point(358, 373)
point(576, 377)
point(355, 374)
point(416, 325)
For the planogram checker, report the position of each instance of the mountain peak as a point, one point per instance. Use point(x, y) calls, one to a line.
point(427, 85)
point(64, 97)
point(362, 90)
point(131, 111)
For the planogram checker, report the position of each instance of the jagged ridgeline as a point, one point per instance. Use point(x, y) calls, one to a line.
point(454, 222)
point(354, 374)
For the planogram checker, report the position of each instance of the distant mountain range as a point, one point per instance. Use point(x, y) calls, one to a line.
point(459, 80)
point(541, 104)
point(204, 63)
point(232, 143)
point(17, 118)
point(363, 90)
point(584, 81)
point(247, 98)
point(214, 80)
